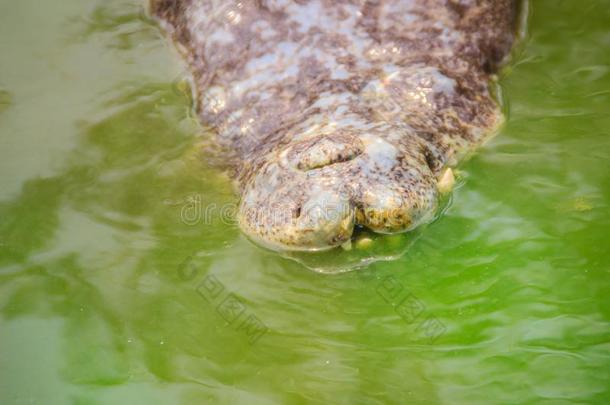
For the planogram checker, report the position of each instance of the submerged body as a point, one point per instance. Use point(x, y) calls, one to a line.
point(341, 113)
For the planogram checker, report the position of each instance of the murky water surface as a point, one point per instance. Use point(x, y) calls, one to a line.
point(124, 280)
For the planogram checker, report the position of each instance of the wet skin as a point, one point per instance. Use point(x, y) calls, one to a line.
point(339, 114)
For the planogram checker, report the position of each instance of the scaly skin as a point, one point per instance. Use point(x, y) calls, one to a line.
point(341, 113)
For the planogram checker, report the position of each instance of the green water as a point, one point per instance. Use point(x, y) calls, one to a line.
point(112, 292)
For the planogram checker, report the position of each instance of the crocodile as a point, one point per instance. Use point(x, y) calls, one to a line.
point(342, 114)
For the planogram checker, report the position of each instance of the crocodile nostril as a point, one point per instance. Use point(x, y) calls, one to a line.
point(325, 150)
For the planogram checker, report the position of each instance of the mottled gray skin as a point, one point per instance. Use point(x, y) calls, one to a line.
point(341, 113)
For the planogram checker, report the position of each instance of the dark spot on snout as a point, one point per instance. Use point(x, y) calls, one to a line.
point(429, 158)
point(297, 212)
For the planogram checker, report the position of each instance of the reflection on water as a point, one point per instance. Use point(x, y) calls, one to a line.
point(107, 295)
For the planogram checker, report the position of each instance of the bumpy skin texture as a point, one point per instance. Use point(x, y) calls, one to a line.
point(341, 112)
